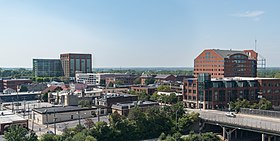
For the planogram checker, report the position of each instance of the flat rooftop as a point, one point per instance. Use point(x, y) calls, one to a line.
point(61, 109)
point(242, 78)
point(133, 103)
point(8, 117)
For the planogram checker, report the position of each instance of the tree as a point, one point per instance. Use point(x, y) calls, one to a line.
point(163, 88)
point(186, 121)
point(49, 137)
point(90, 138)
point(137, 81)
point(45, 97)
point(85, 103)
point(23, 88)
point(79, 136)
point(18, 133)
point(150, 81)
point(89, 123)
point(264, 104)
point(239, 104)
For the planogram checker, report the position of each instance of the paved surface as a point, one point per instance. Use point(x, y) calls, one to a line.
point(242, 120)
point(42, 129)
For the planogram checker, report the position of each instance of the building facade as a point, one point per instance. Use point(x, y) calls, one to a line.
point(47, 68)
point(87, 78)
point(144, 89)
point(72, 62)
point(49, 115)
point(216, 93)
point(226, 63)
point(124, 108)
point(15, 83)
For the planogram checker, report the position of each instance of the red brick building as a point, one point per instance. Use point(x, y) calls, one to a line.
point(72, 62)
point(145, 89)
point(14, 83)
point(216, 93)
point(226, 63)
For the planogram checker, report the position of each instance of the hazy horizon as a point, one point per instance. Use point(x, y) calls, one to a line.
point(140, 33)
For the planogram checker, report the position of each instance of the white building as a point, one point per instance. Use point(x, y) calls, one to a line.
point(62, 114)
point(87, 78)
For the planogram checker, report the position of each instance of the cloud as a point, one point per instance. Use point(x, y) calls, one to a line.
point(250, 14)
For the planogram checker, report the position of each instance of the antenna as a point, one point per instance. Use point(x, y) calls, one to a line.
point(255, 45)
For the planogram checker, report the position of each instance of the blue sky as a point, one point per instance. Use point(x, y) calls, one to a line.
point(136, 33)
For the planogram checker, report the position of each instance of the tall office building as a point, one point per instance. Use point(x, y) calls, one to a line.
point(74, 62)
point(47, 68)
point(226, 63)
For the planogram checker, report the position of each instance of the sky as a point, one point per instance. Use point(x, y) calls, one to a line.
point(136, 33)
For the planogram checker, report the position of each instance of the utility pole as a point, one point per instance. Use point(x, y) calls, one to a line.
point(79, 118)
point(28, 110)
point(54, 118)
point(24, 102)
point(33, 118)
point(12, 105)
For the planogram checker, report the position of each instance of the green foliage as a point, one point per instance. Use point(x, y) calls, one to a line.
point(201, 137)
point(18, 133)
point(262, 104)
point(23, 89)
point(90, 138)
point(16, 73)
point(186, 121)
point(137, 81)
point(168, 99)
point(141, 95)
point(149, 81)
point(140, 124)
point(45, 97)
point(163, 88)
point(52, 137)
point(239, 104)
point(85, 103)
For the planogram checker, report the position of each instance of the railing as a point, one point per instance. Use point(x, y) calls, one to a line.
point(267, 113)
point(242, 122)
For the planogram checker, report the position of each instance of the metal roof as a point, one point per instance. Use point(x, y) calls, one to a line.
point(227, 53)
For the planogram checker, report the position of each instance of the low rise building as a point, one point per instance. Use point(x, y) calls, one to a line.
point(109, 99)
point(124, 108)
point(15, 83)
point(49, 115)
point(7, 118)
point(145, 89)
point(165, 78)
point(87, 78)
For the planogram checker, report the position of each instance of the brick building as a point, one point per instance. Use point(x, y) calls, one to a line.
point(207, 93)
point(145, 89)
point(72, 62)
point(14, 83)
point(226, 63)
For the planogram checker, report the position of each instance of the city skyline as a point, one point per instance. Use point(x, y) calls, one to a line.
point(126, 33)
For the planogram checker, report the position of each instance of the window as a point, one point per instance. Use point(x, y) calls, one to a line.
point(72, 117)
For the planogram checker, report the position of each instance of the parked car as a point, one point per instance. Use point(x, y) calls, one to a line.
point(50, 132)
point(230, 114)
